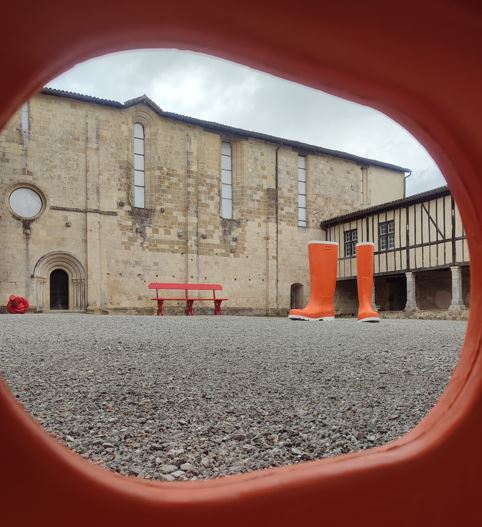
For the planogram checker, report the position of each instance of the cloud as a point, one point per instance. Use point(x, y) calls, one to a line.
point(217, 90)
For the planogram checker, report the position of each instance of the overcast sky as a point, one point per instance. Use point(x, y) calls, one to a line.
point(216, 90)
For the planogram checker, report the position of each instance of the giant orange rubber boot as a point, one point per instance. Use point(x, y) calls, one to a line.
point(364, 262)
point(323, 258)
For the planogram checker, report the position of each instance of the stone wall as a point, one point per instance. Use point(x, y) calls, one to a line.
point(427, 314)
point(346, 298)
point(434, 289)
point(79, 156)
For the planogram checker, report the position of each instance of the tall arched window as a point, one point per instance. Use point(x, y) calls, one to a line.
point(139, 183)
point(226, 181)
point(302, 191)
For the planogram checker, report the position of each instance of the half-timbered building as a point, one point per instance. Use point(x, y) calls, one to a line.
point(421, 260)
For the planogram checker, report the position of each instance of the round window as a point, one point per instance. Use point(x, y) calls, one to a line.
point(25, 202)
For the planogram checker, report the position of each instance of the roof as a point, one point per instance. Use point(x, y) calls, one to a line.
point(222, 128)
point(389, 205)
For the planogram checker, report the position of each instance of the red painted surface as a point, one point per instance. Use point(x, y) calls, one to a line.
point(185, 287)
point(189, 311)
point(323, 263)
point(364, 280)
point(419, 62)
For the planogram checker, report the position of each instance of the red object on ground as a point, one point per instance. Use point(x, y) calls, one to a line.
point(189, 311)
point(364, 279)
point(416, 60)
point(17, 305)
point(323, 262)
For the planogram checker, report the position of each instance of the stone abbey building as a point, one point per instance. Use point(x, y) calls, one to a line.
point(99, 198)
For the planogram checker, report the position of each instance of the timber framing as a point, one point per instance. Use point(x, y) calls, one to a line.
point(428, 234)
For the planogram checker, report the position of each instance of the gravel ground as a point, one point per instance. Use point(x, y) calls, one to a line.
point(193, 398)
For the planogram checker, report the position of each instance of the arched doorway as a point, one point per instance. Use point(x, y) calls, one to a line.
point(59, 282)
point(59, 289)
point(296, 296)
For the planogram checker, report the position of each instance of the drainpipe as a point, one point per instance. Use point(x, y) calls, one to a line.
point(277, 223)
point(405, 183)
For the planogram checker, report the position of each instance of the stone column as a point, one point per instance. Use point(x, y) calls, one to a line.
point(40, 293)
point(411, 304)
point(457, 301)
point(78, 294)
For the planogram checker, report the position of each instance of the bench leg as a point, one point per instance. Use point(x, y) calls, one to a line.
point(189, 308)
point(217, 307)
point(160, 305)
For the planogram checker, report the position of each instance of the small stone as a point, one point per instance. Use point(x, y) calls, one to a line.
point(176, 451)
point(168, 469)
point(134, 471)
point(205, 462)
point(187, 467)
point(239, 435)
point(166, 477)
point(107, 445)
point(372, 438)
point(69, 438)
point(296, 451)
point(156, 446)
point(178, 473)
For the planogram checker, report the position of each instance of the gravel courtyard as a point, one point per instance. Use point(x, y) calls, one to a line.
point(179, 398)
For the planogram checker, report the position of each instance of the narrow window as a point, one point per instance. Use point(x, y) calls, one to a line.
point(386, 236)
point(139, 180)
point(302, 191)
point(351, 239)
point(226, 181)
point(363, 183)
point(25, 123)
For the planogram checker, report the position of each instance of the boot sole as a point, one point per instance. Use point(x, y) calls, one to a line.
point(370, 319)
point(309, 319)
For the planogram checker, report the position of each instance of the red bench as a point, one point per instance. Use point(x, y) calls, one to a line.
point(189, 301)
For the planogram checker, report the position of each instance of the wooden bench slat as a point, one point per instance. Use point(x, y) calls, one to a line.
point(189, 298)
point(185, 287)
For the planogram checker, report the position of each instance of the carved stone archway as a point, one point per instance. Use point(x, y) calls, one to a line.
point(41, 276)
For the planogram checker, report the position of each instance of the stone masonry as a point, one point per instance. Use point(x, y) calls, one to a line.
point(78, 155)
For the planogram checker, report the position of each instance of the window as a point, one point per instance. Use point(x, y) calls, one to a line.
point(363, 185)
point(24, 118)
point(351, 239)
point(386, 235)
point(226, 181)
point(139, 179)
point(25, 202)
point(302, 191)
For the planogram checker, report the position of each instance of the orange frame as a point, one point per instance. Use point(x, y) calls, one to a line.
point(417, 61)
